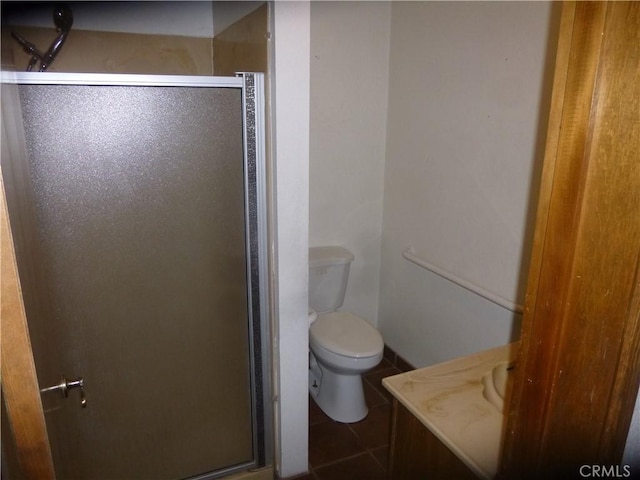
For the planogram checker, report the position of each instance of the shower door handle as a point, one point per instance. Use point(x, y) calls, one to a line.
point(65, 385)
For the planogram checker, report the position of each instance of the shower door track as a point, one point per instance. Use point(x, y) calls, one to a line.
point(117, 79)
point(255, 200)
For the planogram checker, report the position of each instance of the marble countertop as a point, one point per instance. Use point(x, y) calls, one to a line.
point(447, 398)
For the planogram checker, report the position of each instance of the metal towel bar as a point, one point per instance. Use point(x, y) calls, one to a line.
point(466, 284)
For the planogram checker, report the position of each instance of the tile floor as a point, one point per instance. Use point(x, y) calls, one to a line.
point(359, 450)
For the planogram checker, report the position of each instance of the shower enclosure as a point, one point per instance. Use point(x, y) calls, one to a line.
point(138, 214)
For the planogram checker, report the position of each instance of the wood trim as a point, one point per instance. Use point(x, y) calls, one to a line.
point(20, 388)
point(620, 65)
point(579, 365)
point(625, 385)
point(417, 454)
point(19, 382)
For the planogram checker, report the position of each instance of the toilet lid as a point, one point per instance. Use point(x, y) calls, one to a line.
point(346, 334)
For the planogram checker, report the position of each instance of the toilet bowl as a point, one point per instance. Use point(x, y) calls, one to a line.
point(346, 342)
point(342, 345)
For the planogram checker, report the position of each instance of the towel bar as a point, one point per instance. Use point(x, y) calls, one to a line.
point(466, 284)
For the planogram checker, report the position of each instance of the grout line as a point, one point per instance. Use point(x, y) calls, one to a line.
point(367, 452)
point(333, 462)
point(375, 459)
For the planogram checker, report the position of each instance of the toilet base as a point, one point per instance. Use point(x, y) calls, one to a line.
point(340, 396)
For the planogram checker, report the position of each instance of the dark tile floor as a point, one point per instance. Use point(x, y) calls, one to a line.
point(357, 450)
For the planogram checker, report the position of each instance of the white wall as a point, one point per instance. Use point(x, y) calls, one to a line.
point(465, 109)
point(632, 448)
point(459, 87)
point(290, 104)
point(349, 85)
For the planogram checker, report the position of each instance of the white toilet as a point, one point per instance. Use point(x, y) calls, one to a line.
point(342, 345)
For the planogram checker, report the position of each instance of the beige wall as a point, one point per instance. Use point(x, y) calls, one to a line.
point(427, 120)
point(242, 47)
point(467, 111)
point(349, 83)
point(109, 52)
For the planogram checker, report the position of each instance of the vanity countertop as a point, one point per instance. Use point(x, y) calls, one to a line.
point(447, 398)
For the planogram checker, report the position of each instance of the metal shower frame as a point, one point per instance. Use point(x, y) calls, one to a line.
point(255, 201)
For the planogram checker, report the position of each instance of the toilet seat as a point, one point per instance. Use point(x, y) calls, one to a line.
point(346, 334)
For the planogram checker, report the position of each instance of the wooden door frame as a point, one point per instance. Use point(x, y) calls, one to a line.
point(20, 391)
point(577, 376)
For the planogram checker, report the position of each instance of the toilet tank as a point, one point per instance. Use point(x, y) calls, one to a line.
point(328, 276)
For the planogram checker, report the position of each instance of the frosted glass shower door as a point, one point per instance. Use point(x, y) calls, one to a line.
point(142, 216)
